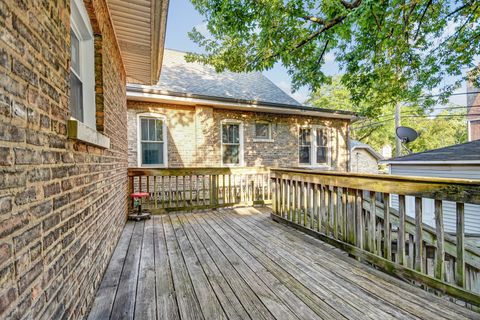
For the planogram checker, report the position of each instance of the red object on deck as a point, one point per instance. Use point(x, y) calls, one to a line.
point(138, 195)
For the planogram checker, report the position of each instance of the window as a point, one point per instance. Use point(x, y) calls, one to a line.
point(263, 131)
point(313, 146)
point(82, 68)
point(232, 143)
point(152, 141)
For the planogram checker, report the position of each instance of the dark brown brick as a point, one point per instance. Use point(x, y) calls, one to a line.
point(60, 201)
point(13, 224)
point(51, 222)
point(6, 158)
point(27, 156)
point(26, 196)
point(4, 59)
point(5, 252)
point(6, 299)
point(41, 209)
point(11, 133)
point(51, 189)
point(27, 237)
point(24, 72)
point(26, 280)
point(5, 204)
point(39, 174)
point(12, 178)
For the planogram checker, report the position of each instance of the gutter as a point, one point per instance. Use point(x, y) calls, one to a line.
point(455, 162)
point(146, 93)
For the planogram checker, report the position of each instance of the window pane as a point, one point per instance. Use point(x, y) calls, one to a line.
point(322, 154)
point(230, 133)
point(151, 130)
point(231, 154)
point(144, 128)
point(262, 130)
point(304, 155)
point(321, 138)
point(76, 97)
point(159, 130)
point(304, 137)
point(75, 47)
point(152, 153)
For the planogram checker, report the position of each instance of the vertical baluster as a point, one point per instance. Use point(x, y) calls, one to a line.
point(387, 238)
point(378, 237)
point(360, 219)
point(440, 252)
point(224, 194)
point(323, 209)
point(155, 191)
point(263, 187)
point(203, 191)
point(305, 203)
point(314, 206)
point(344, 214)
point(280, 197)
point(162, 191)
point(242, 198)
point(294, 200)
point(311, 205)
point(372, 222)
point(351, 217)
point(460, 262)
point(269, 192)
point(411, 253)
point(191, 190)
point(140, 184)
point(297, 201)
point(418, 235)
point(319, 206)
point(401, 230)
point(289, 201)
point(335, 203)
point(284, 198)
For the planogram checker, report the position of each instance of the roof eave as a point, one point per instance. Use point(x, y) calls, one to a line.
point(159, 27)
point(143, 93)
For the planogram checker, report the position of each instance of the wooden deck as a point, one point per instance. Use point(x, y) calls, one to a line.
point(239, 264)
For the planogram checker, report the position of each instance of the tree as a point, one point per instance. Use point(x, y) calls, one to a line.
point(446, 128)
point(389, 51)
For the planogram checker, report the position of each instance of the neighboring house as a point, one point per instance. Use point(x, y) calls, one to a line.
point(363, 158)
point(63, 144)
point(457, 161)
point(195, 116)
point(473, 112)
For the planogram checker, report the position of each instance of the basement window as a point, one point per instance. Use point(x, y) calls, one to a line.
point(263, 132)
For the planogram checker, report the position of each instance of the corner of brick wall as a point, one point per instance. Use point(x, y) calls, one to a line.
point(59, 220)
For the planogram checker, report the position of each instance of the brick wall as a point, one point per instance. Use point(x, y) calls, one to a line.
point(59, 220)
point(363, 161)
point(194, 136)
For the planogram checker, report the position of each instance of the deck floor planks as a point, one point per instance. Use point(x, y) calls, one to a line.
point(103, 304)
point(318, 283)
point(207, 298)
point(231, 304)
point(166, 299)
point(239, 264)
point(124, 306)
point(187, 301)
point(244, 293)
point(369, 279)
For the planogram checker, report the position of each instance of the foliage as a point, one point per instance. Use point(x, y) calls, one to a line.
point(389, 51)
point(446, 128)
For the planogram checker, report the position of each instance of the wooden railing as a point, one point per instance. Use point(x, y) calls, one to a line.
point(184, 189)
point(338, 208)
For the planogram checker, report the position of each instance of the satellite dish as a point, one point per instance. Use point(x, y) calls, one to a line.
point(406, 134)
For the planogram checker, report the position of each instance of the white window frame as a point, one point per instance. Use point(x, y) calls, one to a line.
point(156, 116)
point(256, 139)
point(469, 128)
point(81, 26)
point(240, 136)
point(314, 146)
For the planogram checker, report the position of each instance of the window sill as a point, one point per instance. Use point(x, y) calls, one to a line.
point(263, 140)
point(79, 131)
point(309, 166)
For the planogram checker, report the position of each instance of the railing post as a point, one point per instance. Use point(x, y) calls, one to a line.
point(460, 263)
point(418, 235)
point(440, 252)
point(401, 230)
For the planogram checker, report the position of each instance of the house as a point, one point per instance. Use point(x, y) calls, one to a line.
point(457, 161)
point(63, 144)
point(363, 158)
point(473, 112)
point(195, 117)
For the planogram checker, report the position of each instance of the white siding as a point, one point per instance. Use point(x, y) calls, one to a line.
point(472, 212)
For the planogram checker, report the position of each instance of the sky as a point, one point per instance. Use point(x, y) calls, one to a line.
point(182, 17)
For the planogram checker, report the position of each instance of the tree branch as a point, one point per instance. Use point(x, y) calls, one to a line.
point(351, 5)
point(314, 19)
point(421, 19)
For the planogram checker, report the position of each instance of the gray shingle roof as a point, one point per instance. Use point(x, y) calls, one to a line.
point(195, 78)
point(469, 151)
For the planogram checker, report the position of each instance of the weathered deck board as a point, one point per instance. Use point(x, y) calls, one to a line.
point(239, 264)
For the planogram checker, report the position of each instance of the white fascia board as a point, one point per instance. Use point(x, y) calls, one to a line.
point(164, 98)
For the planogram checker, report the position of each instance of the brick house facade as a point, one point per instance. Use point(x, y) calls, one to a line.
point(194, 138)
point(59, 222)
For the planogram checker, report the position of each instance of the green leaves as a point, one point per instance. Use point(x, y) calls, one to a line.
point(389, 50)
